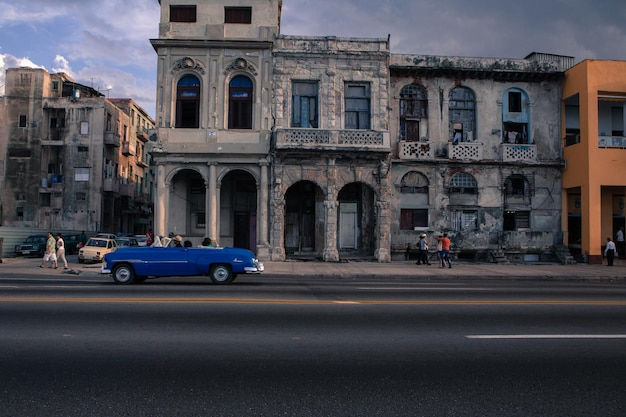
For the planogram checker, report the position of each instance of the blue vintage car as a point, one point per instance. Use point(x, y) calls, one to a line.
point(136, 264)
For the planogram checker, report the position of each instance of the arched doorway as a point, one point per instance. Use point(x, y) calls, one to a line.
point(238, 210)
point(304, 220)
point(187, 206)
point(357, 220)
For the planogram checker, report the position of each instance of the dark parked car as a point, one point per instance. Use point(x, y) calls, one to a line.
point(33, 245)
point(71, 243)
point(126, 242)
point(222, 265)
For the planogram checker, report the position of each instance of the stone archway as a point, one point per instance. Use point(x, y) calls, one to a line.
point(238, 210)
point(356, 229)
point(304, 227)
point(186, 211)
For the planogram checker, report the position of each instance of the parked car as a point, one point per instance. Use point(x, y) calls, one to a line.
point(33, 245)
point(141, 240)
point(126, 242)
point(128, 265)
point(95, 249)
point(71, 243)
point(106, 235)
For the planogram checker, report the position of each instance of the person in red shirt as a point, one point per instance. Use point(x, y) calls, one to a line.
point(445, 250)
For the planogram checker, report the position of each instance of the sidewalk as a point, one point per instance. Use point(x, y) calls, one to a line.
point(29, 267)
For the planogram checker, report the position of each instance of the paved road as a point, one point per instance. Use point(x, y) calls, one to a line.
point(312, 347)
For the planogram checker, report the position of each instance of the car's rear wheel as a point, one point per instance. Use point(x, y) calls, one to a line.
point(221, 274)
point(123, 274)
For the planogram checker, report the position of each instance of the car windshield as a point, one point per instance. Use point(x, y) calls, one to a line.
point(99, 243)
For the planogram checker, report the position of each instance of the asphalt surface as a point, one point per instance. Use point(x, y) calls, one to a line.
point(29, 267)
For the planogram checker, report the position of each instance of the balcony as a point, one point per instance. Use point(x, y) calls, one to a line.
point(112, 139)
point(512, 152)
point(140, 162)
point(415, 150)
point(127, 188)
point(324, 140)
point(467, 151)
point(612, 142)
point(55, 137)
point(142, 134)
point(128, 148)
point(110, 185)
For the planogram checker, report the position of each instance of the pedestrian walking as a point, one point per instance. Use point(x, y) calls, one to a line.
point(61, 251)
point(620, 244)
point(50, 254)
point(423, 248)
point(609, 251)
point(445, 250)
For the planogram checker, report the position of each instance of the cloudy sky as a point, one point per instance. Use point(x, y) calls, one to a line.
point(105, 44)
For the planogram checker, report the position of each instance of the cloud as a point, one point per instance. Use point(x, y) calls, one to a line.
point(10, 61)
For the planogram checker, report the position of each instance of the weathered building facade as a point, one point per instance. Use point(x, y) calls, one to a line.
point(65, 167)
point(331, 151)
point(477, 153)
point(214, 114)
point(327, 147)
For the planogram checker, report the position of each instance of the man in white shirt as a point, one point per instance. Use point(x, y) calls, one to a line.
point(609, 251)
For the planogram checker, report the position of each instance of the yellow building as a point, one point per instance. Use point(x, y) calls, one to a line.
point(594, 131)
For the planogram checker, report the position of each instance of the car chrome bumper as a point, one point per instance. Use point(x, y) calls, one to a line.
point(104, 270)
point(255, 269)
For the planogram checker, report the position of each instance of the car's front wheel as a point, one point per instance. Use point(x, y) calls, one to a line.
point(123, 274)
point(221, 274)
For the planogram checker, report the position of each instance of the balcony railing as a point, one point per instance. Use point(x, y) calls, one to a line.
point(112, 139)
point(321, 139)
point(519, 152)
point(472, 151)
point(612, 142)
point(142, 134)
point(128, 148)
point(415, 150)
point(111, 185)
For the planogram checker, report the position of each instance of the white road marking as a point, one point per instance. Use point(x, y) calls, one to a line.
point(547, 336)
point(427, 288)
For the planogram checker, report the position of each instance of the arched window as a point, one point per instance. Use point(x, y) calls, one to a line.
point(414, 182)
point(188, 102)
point(463, 183)
point(240, 103)
point(515, 116)
point(413, 108)
point(462, 115)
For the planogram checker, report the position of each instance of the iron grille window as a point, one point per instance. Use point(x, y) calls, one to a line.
point(463, 183)
point(464, 220)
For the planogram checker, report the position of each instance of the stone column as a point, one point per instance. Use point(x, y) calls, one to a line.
point(161, 202)
point(331, 254)
point(383, 220)
point(278, 235)
point(210, 226)
point(262, 210)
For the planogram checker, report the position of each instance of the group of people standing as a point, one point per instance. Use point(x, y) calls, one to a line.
point(55, 252)
point(443, 250)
